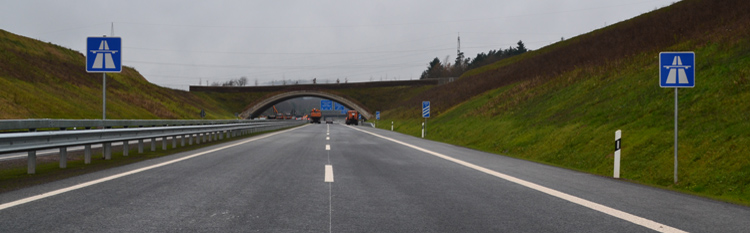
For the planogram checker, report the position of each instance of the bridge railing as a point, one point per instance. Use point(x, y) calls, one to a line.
point(33, 141)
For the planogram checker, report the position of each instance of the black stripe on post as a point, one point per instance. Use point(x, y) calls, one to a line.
point(617, 144)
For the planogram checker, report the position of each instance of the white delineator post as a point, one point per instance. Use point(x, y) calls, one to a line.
point(422, 129)
point(618, 141)
point(391, 125)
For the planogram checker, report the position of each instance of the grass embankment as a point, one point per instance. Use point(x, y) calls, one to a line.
point(561, 104)
point(43, 80)
point(570, 122)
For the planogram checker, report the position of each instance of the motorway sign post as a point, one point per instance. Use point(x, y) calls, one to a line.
point(676, 70)
point(425, 115)
point(377, 117)
point(103, 55)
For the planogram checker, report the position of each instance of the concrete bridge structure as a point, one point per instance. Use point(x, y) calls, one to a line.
point(287, 92)
point(258, 108)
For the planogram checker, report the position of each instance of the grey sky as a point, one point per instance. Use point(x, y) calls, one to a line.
point(178, 43)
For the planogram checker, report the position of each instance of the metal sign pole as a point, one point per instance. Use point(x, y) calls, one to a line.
point(104, 96)
point(675, 135)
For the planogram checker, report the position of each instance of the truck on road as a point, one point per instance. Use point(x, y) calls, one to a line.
point(315, 116)
point(352, 117)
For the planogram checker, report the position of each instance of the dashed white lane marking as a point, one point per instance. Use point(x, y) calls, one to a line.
point(329, 174)
point(328, 138)
point(328, 146)
point(105, 179)
point(577, 200)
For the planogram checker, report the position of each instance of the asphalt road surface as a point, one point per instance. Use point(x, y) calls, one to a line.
point(335, 178)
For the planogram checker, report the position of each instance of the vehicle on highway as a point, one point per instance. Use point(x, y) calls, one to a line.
point(315, 116)
point(329, 121)
point(352, 117)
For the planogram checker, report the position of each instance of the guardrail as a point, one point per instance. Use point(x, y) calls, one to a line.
point(34, 124)
point(32, 141)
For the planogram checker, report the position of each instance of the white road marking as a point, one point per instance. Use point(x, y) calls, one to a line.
point(328, 138)
point(105, 179)
point(328, 147)
point(577, 200)
point(329, 174)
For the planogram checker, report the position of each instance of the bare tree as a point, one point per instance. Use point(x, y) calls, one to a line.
point(242, 81)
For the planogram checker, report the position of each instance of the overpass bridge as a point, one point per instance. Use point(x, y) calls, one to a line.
point(286, 92)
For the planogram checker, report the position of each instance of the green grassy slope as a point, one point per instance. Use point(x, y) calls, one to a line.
point(42, 80)
point(569, 118)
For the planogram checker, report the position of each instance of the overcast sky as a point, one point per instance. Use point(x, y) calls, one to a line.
point(180, 43)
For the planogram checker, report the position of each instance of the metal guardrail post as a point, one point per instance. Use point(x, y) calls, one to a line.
point(164, 143)
point(87, 154)
point(182, 140)
point(190, 139)
point(140, 146)
point(125, 148)
point(63, 157)
point(107, 150)
point(31, 162)
point(153, 144)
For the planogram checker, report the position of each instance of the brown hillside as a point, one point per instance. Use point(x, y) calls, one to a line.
point(691, 21)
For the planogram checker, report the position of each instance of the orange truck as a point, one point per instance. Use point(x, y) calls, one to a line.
point(315, 116)
point(352, 117)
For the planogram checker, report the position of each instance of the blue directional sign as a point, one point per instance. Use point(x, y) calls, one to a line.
point(677, 69)
point(377, 115)
point(339, 107)
point(103, 54)
point(426, 109)
point(326, 105)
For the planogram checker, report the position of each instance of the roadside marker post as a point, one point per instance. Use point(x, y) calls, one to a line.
point(618, 141)
point(391, 125)
point(676, 70)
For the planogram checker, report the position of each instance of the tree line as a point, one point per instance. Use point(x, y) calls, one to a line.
point(438, 69)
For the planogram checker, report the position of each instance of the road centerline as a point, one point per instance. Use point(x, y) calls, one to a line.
point(328, 174)
point(577, 200)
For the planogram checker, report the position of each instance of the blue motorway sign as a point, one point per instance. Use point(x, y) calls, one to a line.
point(339, 107)
point(677, 69)
point(426, 109)
point(377, 115)
point(326, 105)
point(103, 54)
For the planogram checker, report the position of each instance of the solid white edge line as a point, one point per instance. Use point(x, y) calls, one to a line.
point(105, 179)
point(577, 200)
point(328, 174)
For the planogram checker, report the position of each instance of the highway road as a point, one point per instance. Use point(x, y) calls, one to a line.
point(336, 178)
